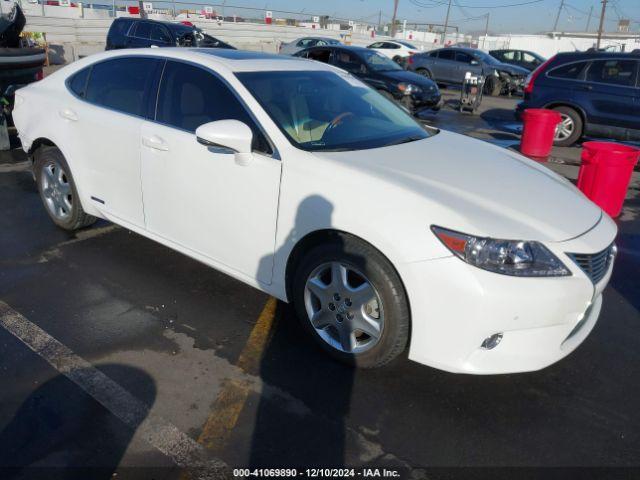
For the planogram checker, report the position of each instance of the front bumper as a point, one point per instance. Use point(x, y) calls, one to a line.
point(422, 101)
point(456, 306)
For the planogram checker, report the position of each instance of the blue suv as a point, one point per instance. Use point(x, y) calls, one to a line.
point(597, 93)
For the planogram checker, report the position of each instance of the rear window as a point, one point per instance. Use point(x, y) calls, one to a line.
point(569, 71)
point(615, 72)
point(120, 27)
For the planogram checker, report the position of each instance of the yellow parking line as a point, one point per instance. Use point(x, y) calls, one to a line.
point(234, 393)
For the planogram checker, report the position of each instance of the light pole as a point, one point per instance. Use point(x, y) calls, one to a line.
point(604, 8)
point(393, 19)
point(446, 24)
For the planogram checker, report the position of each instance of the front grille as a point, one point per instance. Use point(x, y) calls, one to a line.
point(595, 265)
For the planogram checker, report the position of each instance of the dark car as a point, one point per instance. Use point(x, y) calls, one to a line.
point(521, 58)
point(597, 93)
point(449, 65)
point(414, 92)
point(139, 33)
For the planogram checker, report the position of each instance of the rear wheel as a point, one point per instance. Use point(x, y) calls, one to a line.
point(569, 130)
point(492, 86)
point(58, 191)
point(350, 299)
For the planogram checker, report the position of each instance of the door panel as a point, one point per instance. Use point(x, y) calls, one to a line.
point(198, 196)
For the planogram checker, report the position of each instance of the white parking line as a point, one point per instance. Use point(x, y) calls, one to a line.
point(159, 433)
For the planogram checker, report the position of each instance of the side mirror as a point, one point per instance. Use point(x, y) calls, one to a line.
point(231, 134)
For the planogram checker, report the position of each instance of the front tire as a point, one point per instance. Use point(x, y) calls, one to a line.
point(58, 191)
point(350, 299)
point(492, 87)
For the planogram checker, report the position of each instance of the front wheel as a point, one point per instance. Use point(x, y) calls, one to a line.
point(350, 299)
point(58, 191)
point(493, 86)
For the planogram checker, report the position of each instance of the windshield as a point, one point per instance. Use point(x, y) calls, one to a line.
point(485, 57)
point(378, 62)
point(330, 111)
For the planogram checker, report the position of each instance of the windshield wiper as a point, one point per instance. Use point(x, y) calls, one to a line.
point(412, 138)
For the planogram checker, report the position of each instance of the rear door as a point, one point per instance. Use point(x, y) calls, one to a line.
point(445, 66)
point(611, 92)
point(160, 36)
point(139, 35)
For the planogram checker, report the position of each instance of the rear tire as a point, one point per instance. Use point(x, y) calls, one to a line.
point(570, 128)
point(58, 190)
point(425, 73)
point(345, 284)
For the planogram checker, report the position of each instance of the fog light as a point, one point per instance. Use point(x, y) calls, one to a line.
point(492, 341)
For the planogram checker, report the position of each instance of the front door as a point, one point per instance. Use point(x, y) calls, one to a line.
point(199, 197)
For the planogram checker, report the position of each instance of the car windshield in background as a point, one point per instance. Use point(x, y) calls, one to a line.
point(485, 57)
point(328, 111)
point(378, 62)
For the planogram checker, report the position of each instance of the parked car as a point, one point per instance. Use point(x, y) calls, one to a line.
point(306, 42)
point(128, 32)
point(449, 65)
point(597, 93)
point(413, 91)
point(522, 58)
point(396, 50)
point(296, 178)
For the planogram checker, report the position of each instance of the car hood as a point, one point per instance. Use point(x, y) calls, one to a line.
point(409, 77)
point(474, 187)
point(512, 69)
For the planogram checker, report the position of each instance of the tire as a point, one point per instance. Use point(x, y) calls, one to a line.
point(425, 73)
point(340, 307)
point(570, 129)
point(398, 59)
point(58, 190)
point(492, 87)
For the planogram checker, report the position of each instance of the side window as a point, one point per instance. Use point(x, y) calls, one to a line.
point(190, 96)
point(319, 55)
point(615, 72)
point(447, 55)
point(376, 45)
point(463, 57)
point(393, 46)
point(160, 34)
point(348, 61)
point(123, 84)
point(571, 71)
point(143, 30)
point(509, 55)
point(527, 57)
point(434, 54)
point(78, 82)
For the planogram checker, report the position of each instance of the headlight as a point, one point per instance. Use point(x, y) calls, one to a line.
point(508, 257)
point(408, 88)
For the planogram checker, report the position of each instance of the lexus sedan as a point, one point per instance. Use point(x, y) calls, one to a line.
point(295, 177)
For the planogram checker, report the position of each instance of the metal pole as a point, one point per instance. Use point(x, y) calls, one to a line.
point(379, 20)
point(173, 2)
point(555, 25)
point(393, 19)
point(113, 8)
point(589, 19)
point(446, 23)
point(604, 8)
point(43, 14)
point(486, 32)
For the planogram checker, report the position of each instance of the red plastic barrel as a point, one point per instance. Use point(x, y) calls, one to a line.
point(539, 127)
point(605, 173)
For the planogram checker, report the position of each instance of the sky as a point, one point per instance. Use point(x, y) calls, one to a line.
point(539, 15)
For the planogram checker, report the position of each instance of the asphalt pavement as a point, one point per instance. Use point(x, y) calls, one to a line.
point(120, 358)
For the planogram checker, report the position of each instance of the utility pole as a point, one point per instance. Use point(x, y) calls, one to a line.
point(143, 13)
point(446, 24)
point(555, 25)
point(486, 31)
point(380, 20)
point(589, 19)
point(604, 8)
point(393, 19)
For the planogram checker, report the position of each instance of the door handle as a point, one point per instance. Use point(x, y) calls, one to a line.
point(68, 114)
point(155, 142)
point(587, 87)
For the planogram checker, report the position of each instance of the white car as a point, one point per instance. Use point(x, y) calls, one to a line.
point(296, 178)
point(395, 49)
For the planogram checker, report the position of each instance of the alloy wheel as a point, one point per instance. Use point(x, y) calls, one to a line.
point(565, 128)
point(344, 307)
point(56, 190)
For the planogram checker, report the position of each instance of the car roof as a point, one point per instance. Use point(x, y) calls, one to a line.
point(172, 25)
point(233, 60)
point(599, 54)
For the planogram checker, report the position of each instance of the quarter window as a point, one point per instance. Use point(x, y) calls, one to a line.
point(78, 82)
point(190, 96)
point(123, 84)
point(615, 72)
point(570, 71)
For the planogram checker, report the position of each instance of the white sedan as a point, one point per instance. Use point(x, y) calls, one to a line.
point(395, 49)
point(296, 178)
